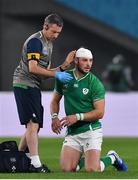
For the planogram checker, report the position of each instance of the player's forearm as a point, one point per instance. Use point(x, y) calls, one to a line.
point(54, 107)
point(90, 116)
point(93, 115)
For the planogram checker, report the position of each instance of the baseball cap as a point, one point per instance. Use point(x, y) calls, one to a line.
point(84, 53)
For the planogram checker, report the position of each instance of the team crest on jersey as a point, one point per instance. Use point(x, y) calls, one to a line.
point(85, 91)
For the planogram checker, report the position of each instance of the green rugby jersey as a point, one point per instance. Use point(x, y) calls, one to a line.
point(79, 96)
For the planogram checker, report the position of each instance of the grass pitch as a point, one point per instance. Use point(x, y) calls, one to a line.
point(49, 149)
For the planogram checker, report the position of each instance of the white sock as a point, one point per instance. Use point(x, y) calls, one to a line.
point(112, 158)
point(102, 166)
point(77, 168)
point(28, 155)
point(35, 161)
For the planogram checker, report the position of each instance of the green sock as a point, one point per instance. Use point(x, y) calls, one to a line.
point(80, 164)
point(106, 160)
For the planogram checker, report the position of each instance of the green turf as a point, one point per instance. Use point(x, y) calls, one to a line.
point(50, 151)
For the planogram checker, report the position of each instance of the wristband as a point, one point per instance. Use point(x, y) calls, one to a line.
point(80, 116)
point(61, 69)
point(54, 116)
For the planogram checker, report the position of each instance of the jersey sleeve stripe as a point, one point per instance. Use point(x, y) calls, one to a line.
point(35, 56)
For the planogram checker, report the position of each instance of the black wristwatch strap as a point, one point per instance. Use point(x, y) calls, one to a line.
point(61, 69)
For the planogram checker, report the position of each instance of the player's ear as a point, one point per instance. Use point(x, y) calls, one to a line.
point(92, 63)
point(46, 26)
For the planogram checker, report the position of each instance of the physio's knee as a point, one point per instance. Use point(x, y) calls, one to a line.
point(32, 129)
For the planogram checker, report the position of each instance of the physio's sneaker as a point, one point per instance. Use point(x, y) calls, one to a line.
point(119, 164)
point(41, 169)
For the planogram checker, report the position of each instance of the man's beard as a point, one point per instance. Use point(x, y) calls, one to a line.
point(81, 71)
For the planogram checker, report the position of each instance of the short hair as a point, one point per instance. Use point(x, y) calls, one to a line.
point(54, 19)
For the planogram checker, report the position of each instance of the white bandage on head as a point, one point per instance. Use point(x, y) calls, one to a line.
point(84, 53)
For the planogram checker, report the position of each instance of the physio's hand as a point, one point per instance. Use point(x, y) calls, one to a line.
point(64, 77)
point(69, 59)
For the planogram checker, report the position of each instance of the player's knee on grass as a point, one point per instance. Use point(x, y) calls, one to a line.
point(68, 168)
point(92, 168)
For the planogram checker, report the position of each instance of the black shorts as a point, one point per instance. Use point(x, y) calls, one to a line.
point(29, 105)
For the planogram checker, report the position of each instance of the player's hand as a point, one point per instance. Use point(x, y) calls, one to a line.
point(68, 120)
point(69, 59)
point(64, 77)
point(56, 126)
